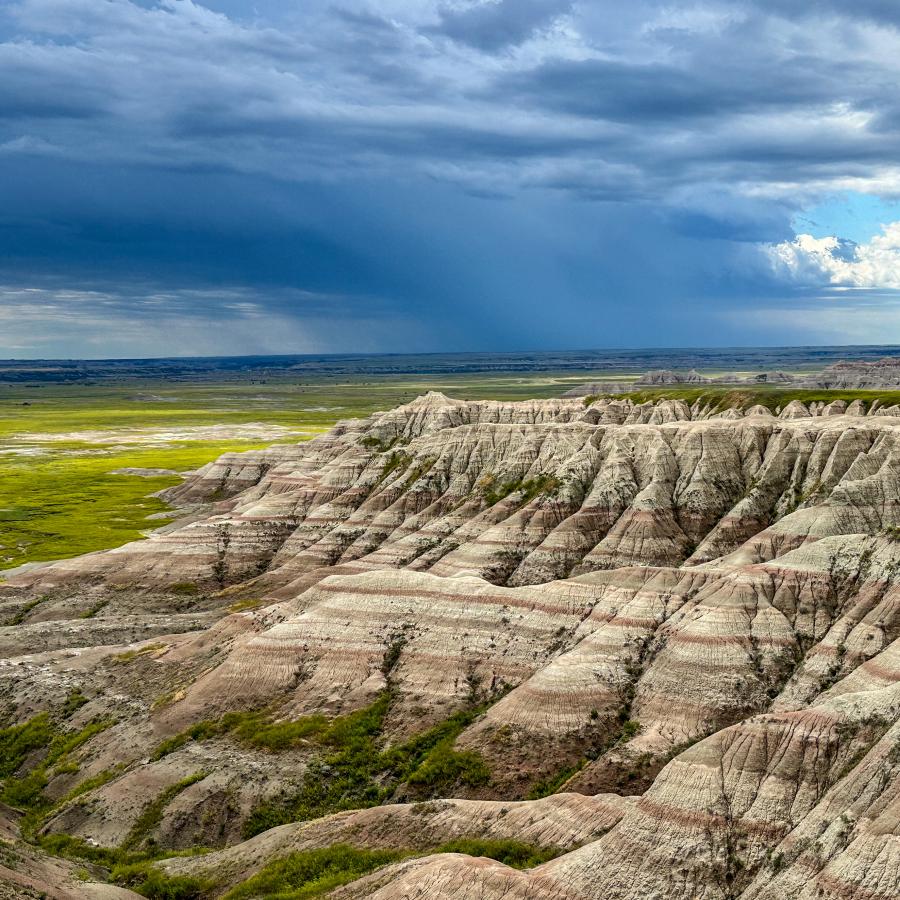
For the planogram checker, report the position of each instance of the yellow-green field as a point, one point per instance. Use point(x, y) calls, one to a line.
point(60, 444)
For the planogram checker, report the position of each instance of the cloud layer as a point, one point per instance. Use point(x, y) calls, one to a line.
point(843, 263)
point(484, 172)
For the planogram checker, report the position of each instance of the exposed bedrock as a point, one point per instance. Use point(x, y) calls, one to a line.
point(682, 623)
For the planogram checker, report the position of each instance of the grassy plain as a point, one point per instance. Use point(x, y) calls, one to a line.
point(61, 443)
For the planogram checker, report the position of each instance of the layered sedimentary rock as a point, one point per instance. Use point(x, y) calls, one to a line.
point(685, 618)
point(855, 375)
point(562, 820)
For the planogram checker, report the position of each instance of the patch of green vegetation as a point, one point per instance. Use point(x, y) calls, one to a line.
point(281, 736)
point(382, 445)
point(151, 882)
point(22, 614)
point(69, 847)
point(630, 728)
point(73, 703)
point(92, 611)
point(200, 731)
point(423, 467)
point(19, 743)
point(25, 792)
point(393, 653)
point(494, 491)
point(152, 813)
point(89, 784)
point(248, 603)
point(72, 504)
point(353, 773)
point(552, 783)
point(64, 743)
point(184, 588)
point(255, 728)
point(129, 655)
point(514, 854)
point(311, 873)
point(129, 868)
point(445, 767)
point(397, 461)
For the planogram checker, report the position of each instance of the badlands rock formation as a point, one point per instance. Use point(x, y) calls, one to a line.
point(855, 375)
point(859, 375)
point(670, 378)
point(677, 626)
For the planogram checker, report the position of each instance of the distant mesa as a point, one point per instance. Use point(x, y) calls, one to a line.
point(881, 374)
point(859, 375)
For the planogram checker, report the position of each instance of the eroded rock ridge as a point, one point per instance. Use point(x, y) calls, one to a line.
point(681, 624)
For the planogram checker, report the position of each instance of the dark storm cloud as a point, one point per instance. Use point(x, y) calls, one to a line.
point(491, 26)
point(634, 92)
point(528, 165)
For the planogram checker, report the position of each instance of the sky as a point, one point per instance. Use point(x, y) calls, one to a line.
point(293, 176)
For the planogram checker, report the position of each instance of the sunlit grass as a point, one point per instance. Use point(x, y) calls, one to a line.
point(59, 498)
point(62, 505)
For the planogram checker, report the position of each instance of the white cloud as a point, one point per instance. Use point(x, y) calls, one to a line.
point(840, 263)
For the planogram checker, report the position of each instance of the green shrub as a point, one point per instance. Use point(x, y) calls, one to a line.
point(127, 656)
point(397, 461)
point(311, 873)
point(510, 853)
point(285, 735)
point(89, 784)
point(551, 784)
point(18, 741)
point(92, 611)
point(22, 614)
point(70, 847)
point(65, 742)
point(145, 879)
point(529, 488)
point(73, 703)
point(25, 792)
point(197, 732)
point(444, 768)
point(184, 588)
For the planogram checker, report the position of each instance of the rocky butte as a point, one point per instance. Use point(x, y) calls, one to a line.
point(661, 641)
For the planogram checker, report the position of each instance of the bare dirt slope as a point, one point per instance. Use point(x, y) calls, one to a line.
point(685, 621)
